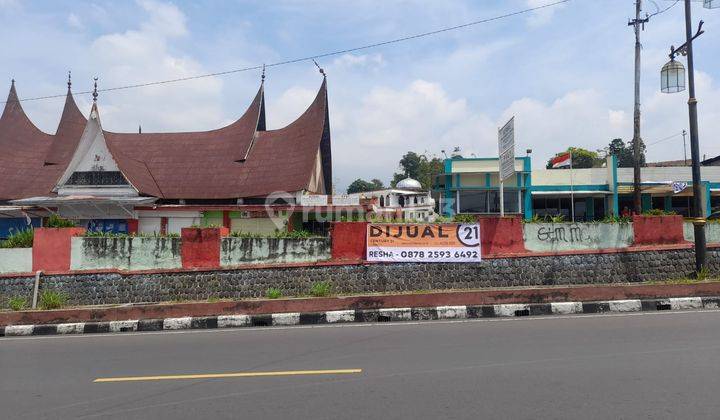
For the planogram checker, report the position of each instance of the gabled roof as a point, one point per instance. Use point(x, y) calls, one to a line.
point(24, 148)
point(236, 161)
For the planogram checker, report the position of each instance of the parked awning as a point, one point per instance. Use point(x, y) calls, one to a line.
point(88, 206)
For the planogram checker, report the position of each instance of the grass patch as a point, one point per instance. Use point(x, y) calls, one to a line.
point(279, 234)
point(273, 293)
point(50, 299)
point(19, 239)
point(321, 289)
point(17, 303)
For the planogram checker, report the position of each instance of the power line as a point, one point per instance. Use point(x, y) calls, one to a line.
point(312, 57)
point(664, 139)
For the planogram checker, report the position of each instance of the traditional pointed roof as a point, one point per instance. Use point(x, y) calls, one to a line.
point(23, 146)
point(237, 161)
point(284, 159)
point(72, 123)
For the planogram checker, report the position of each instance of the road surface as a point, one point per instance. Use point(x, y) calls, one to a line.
point(642, 365)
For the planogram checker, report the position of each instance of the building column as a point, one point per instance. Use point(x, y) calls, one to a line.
point(590, 208)
point(132, 226)
point(646, 202)
point(668, 203)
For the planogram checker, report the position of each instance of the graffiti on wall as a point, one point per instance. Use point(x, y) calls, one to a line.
point(563, 233)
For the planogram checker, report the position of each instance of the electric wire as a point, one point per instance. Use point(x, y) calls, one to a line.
point(311, 57)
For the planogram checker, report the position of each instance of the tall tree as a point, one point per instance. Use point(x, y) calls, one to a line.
point(360, 185)
point(625, 154)
point(581, 158)
point(419, 167)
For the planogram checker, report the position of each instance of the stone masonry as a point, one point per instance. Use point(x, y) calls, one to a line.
point(87, 289)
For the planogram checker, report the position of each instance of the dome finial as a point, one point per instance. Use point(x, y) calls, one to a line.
point(262, 78)
point(95, 90)
point(69, 82)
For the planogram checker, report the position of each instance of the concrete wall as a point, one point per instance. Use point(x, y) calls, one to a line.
point(616, 267)
point(547, 237)
point(239, 251)
point(15, 260)
point(125, 253)
point(712, 232)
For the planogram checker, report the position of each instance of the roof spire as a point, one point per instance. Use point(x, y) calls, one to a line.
point(139, 129)
point(262, 78)
point(69, 82)
point(322, 71)
point(95, 91)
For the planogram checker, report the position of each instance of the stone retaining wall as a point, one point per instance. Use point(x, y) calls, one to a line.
point(601, 268)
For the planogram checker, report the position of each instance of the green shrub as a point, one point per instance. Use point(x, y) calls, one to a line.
point(273, 293)
point(55, 221)
point(321, 289)
point(465, 218)
point(50, 299)
point(658, 212)
point(703, 274)
point(17, 303)
point(19, 239)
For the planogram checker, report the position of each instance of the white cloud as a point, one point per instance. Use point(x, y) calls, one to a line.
point(144, 54)
point(542, 16)
point(74, 21)
point(362, 61)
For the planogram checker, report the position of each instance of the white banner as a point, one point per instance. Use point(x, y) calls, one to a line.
point(346, 200)
point(449, 242)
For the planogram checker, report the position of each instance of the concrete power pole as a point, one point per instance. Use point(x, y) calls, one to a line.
point(638, 24)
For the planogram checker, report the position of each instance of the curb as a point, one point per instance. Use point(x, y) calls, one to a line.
point(365, 315)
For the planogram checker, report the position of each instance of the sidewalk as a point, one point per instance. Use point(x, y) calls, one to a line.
point(505, 302)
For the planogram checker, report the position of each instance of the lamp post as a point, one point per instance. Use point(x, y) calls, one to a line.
point(673, 80)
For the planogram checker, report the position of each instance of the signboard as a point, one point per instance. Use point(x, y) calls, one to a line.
point(313, 200)
point(346, 200)
point(506, 149)
point(679, 187)
point(447, 242)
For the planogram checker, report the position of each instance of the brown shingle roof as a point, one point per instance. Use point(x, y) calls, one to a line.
point(22, 170)
point(213, 164)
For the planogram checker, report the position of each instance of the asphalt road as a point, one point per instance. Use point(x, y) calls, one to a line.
point(647, 365)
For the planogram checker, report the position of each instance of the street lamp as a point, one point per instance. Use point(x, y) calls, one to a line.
point(672, 77)
point(673, 80)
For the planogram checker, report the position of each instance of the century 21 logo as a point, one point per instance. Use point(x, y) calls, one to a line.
point(469, 234)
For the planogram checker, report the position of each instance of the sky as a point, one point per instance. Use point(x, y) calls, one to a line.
point(565, 73)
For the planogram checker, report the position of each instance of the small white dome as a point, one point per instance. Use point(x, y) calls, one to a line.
point(409, 184)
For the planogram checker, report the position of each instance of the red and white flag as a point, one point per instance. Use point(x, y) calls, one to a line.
point(562, 160)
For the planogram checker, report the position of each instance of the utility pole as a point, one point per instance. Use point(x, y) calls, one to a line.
point(637, 24)
point(699, 221)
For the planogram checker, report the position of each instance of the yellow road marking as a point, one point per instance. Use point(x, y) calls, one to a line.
point(230, 375)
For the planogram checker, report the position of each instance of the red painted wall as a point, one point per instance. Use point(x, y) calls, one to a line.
point(349, 240)
point(51, 248)
point(133, 226)
point(501, 235)
point(201, 247)
point(650, 230)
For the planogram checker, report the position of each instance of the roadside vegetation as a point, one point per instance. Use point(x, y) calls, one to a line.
point(17, 303)
point(278, 234)
point(51, 299)
point(321, 289)
point(19, 239)
point(273, 293)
